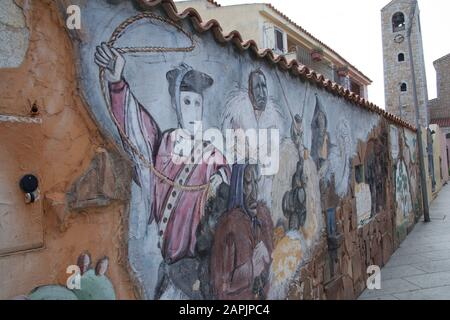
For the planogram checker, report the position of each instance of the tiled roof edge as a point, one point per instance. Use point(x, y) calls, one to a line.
point(441, 58)
point(442, 122)
point(214, 3)
point(293, 67)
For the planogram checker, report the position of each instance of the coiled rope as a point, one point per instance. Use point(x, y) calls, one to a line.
point(116, 35)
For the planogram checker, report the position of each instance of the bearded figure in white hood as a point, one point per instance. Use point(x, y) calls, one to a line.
point(253, 108)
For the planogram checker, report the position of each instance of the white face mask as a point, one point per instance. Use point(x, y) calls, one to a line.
point(191, 104)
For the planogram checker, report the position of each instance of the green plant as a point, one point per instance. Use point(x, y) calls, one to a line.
point(94, 284)
point(318, 50)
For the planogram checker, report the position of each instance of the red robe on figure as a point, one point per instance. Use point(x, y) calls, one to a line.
point(177, 212)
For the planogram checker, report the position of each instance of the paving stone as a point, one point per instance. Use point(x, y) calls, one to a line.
point(427, 240)
point(433, 266)
point(431, 280)
point(390, 287)
point(437, 255)
point(441, 293)
point(400, 272)
point(405, 260)
point(386, 297)
point(411, 248)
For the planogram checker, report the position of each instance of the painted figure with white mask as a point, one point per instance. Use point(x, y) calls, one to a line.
point(175, 192)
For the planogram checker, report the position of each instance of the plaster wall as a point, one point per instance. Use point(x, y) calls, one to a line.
point(57, 144)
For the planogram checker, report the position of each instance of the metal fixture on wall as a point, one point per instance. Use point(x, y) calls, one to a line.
point(29, 184)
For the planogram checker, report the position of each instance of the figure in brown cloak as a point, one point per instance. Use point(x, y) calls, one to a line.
point(242, 248)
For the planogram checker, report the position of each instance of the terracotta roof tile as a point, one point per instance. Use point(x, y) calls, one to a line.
point(443, 123)
point(214, 3)
point(294, 67)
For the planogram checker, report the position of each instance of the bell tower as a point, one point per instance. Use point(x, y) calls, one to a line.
point(402, 36)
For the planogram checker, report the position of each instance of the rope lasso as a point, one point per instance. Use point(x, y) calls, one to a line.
point(116, 34)
point(124, 25)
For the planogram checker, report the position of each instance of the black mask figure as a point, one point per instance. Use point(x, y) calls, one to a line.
point(294, 201)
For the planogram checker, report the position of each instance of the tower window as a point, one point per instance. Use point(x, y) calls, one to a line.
point(403, 87)
point(398, 22)
point(401, 57)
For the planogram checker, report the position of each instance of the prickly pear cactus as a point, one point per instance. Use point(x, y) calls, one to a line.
point(52, 292)
point(94, 284)
point(95, 287)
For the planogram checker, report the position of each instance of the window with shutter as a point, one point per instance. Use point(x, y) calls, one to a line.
point(279, 40)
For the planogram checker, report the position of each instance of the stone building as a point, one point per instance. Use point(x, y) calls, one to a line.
point(272, 29)
point(397, 17)
point(440, 107)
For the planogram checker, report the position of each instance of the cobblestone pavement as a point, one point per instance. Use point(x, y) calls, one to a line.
point(420, 268)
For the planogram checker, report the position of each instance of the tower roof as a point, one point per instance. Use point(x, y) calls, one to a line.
point(446, 57)
point(411, 2)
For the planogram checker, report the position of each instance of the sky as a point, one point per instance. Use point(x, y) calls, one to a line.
point(353, 29)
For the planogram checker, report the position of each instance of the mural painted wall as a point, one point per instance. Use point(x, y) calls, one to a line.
point(219, 223)
point(406, 180)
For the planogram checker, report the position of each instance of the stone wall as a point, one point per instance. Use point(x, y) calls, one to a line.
point(440, 158)
point(440, 107)
point(344, 194)
point(14, 35)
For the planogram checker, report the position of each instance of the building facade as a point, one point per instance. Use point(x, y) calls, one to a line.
point(440, 158)
point(397, 18)
point(272, 29)
point(440, 107)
